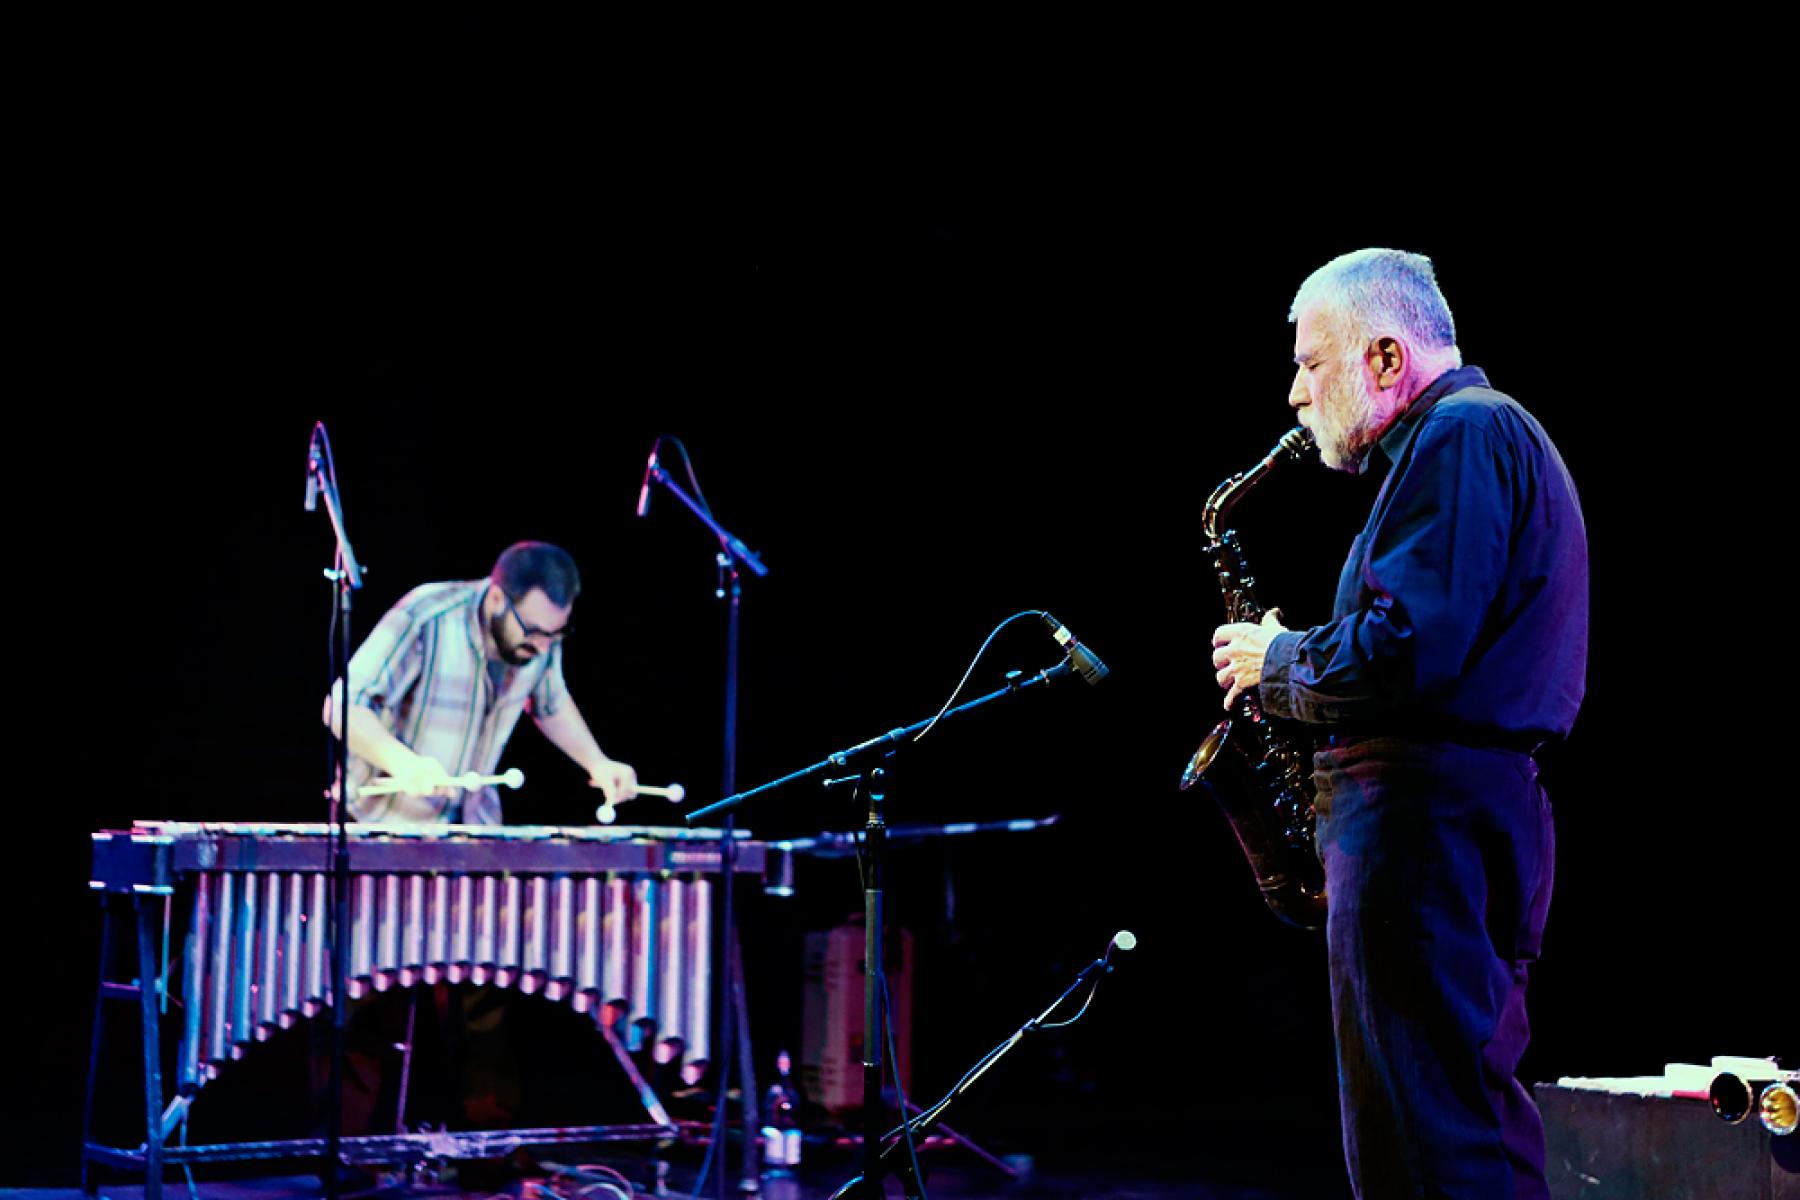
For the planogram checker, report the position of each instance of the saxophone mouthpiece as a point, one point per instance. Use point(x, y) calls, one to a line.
point(1297, 441)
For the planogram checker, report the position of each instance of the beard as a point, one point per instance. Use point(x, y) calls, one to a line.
point(1346, 426)
point(512, 653)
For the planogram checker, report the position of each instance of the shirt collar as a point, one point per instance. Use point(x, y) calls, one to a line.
point(477, 590)
point(1394, 440)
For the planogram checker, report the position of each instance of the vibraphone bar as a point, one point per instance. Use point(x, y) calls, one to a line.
point(576, 915)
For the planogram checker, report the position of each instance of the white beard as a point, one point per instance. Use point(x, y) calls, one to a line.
point(1347, 418)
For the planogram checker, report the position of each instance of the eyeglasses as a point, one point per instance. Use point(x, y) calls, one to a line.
point(531, 631)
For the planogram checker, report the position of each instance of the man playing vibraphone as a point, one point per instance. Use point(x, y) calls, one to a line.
point(443, 678)
point(436, 690)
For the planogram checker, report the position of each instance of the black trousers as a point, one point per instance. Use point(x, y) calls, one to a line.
point(1438, 864)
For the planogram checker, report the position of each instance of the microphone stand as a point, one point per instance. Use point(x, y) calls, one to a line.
point(732, 1016)
point(892, 1161)
point(346, 577)
point(874, 878)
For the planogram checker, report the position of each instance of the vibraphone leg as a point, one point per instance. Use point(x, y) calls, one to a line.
point(153, 1091)
point(646, 1094)
point(100, 986)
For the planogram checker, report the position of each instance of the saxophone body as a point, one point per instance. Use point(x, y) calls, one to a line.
point(1260, 770)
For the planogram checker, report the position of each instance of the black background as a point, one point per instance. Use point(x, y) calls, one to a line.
point(938, 358)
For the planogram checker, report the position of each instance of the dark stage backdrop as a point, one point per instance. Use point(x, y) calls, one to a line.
point(932, 388)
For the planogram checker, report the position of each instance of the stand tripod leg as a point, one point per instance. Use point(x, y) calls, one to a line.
point(963, 1141)
point(869, 1182)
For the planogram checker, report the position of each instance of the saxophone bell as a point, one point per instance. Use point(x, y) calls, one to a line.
point(1203, 757)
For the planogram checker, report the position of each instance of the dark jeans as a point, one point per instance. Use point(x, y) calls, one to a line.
point(1438, 864)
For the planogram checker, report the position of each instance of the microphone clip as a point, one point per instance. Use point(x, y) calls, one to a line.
point(1085, 663)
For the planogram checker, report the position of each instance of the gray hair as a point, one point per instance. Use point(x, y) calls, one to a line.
point(1368, 293)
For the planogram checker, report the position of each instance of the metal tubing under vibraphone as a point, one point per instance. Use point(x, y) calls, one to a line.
point(293, 932)
point(615, 940)
point(318, 989)
point(243, 965)
point(487, 928)
point(412, 931)
point(187, 1059)
point(590, 917)
point(506, 955)
point(437, 929)
point(362, 935)
point(462, 929)
point(387, 932)
point(699, 973)
point(255, 955)
point(219, 966)
point(268, 959)
point(559, 936)
point(579, 918)
point(642, 980)
point(671, 943)
point(562, 939)
point(535, 934)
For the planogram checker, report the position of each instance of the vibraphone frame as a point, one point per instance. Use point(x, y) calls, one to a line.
point(152, 861)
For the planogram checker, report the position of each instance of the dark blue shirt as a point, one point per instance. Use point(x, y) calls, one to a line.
point(1462, 611)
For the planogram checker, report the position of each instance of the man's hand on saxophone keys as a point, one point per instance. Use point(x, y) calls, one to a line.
point(1238, 651)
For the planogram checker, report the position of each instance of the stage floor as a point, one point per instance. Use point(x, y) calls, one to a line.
point(1248, 1163)
point(813, 1183)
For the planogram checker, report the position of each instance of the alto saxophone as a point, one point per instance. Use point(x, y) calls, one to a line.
point(1269, 798)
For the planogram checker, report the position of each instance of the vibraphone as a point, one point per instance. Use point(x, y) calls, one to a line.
point(576, 915)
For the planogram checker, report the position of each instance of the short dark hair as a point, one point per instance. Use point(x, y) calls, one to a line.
point(526, 565)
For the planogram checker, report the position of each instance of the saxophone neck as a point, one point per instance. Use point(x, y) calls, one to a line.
point(1219, 505)
point(1294, 445)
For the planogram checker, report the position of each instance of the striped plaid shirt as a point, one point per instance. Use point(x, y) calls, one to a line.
point(423, 670)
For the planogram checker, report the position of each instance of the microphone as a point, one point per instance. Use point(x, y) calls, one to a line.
point(312, 472)
point(1123, 942)
point(643, 507)
point(1086, 664)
